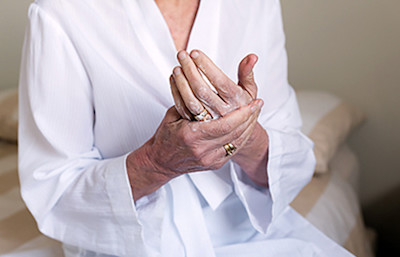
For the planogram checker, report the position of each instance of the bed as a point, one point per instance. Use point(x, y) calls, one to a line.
point(329, 201)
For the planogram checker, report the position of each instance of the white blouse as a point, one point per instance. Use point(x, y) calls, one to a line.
point(94, 87)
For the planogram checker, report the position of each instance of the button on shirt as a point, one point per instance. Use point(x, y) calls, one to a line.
point(94, 87)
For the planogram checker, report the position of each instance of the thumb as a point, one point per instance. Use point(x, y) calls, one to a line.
point(246, 75)
point(172, 115)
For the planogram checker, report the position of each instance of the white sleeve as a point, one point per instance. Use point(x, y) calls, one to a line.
point(74, 194)
point(290, 156)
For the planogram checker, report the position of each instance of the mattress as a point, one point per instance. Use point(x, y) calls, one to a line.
point(329, 202)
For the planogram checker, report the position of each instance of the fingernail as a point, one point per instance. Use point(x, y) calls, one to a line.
point(177, 70)
point(182, 55)
point(194, 54)
point(260, 103)
point(254, 107)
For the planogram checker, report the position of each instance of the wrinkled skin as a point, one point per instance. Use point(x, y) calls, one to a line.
point(192, 94)
point(181, 145)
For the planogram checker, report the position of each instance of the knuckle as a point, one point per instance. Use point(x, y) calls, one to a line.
point(244, 98)
point(193, 73)
point(226, 128)
point(197, 153)
point(205, 162)
point(186, 137)
point(196, 107)
point(225, 109)
point(202, 92)
point(220, 81)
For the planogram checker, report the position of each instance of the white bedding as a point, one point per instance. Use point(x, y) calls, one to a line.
point(330, 202)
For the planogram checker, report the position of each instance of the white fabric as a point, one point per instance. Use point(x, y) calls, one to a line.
point(336, 224)
point(314, 105)
point(94, 87)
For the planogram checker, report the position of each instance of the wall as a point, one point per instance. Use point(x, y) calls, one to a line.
point(12, 27)
point(352, 48)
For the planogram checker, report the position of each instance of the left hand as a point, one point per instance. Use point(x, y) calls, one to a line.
point(192, 95)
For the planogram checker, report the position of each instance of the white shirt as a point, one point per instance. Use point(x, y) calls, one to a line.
point(94, 87)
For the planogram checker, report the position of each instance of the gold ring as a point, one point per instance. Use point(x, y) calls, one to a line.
point(229, 149)
point(203, 116)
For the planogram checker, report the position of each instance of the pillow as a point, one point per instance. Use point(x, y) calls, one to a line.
point(9, 115)
point(328, 121)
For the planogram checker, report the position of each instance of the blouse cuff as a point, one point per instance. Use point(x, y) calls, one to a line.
point(120, 195)
point(149, 210)
point(290, 167)
point(256, 200)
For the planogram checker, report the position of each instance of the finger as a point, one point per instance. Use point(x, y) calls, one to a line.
point(215, 156)
point(172, 115)
point(241, 140)
point(237, 139)
point(226, 88)
point(179, 103)
point(211, 153)
point(246, 74)
point(225, 125)
point(239, 134)
point(199, 87)
point(189, 99)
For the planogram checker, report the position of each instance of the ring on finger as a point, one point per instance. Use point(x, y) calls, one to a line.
point(229, 149)
point(203, 116)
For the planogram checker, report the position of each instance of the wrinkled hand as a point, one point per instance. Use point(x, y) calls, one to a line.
point(196, 146)
point(180, 146)
point(192, 93)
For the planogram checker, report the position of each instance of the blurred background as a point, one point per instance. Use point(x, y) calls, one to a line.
point(352, 49)
point(349, 48)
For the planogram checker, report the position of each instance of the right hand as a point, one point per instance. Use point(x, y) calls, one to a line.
point(180, 146)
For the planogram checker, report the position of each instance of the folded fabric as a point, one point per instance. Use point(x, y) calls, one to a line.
point(328, 121)
point(9, 115)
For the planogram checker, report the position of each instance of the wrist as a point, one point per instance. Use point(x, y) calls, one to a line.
point(253, 158)
point(144, 175)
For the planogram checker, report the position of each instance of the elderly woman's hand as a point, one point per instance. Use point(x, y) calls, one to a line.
point(180, 146)
point(193, 95)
